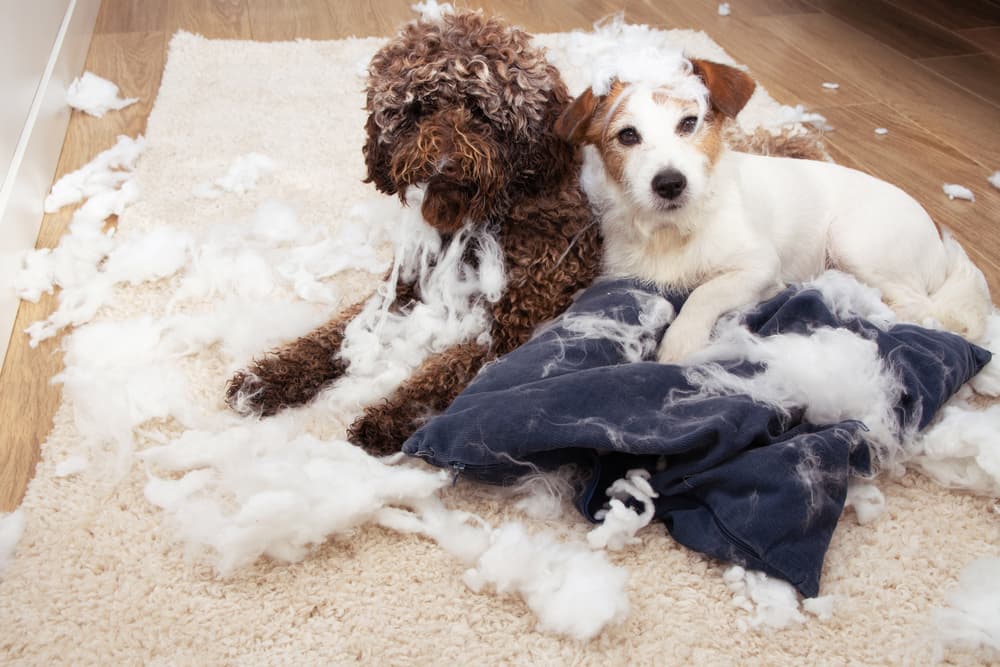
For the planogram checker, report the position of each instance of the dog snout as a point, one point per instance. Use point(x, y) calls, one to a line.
point(450, 168)
point(669, 184)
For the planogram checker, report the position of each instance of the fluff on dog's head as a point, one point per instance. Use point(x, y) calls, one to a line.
point(464, 104)
point(659, 141)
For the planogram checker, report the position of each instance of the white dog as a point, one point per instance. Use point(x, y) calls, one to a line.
point(680, 209)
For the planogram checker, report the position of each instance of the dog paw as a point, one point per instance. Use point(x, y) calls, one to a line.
point(371, 433)
point(675, 349)
point(248, 394)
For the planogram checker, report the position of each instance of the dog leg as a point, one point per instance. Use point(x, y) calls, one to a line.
point(384, 426)
point(692, 328)
point(292, 374)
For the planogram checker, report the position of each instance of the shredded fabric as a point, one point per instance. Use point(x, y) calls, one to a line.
point(955, 191)
point(759, 411)
point(11, 529)
point(95, 95)
point(971, 619)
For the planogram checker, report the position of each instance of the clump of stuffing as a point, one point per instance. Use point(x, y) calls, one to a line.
point(75, 264)
point(636, 342)
point(241, 177)
point(830, 85)
point(846, 297)
point(961, 449)
point(994, 179)
point(971, 619)
point(572, 590)
point(544, 495)
point(100, 177)
point(866, 500)
point(821, 607)
point(724, 9)
point(637, 54)
point(431, 10)
point(881, 131)
point(793, 115)
point(259, 489)
point(383, 347)
point(95, 95)
point(794, 375)
point(620, 523)
point(773, 602)
point(955, 191)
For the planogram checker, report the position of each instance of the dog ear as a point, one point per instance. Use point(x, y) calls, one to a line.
point(574, 122)
point(377, 159)
point(729, 89)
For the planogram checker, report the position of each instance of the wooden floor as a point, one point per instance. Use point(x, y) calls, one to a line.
point(928, 70)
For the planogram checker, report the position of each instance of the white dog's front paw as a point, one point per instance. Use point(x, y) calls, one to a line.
point(675, 349)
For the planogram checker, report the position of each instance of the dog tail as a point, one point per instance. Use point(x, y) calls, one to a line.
point(962, 304)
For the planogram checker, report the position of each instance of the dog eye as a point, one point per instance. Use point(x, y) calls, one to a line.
point(414, 109)
point(687, 125)
point(628, 136)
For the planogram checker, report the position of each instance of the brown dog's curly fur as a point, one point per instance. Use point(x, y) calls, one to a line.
point(467, 106)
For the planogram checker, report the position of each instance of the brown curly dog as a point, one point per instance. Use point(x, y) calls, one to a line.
point(465, 105)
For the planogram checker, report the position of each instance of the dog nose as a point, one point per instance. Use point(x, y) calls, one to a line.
point(669, 183)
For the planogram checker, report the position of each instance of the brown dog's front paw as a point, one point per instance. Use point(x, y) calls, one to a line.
point(275, 382)
point(372, 433)
point(248, 394)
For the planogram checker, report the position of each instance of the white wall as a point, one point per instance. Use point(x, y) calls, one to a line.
point(43, 47)
point(27, 32)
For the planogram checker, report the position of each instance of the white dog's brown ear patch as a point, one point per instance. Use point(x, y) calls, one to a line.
point(574, 122)
point(729, 89)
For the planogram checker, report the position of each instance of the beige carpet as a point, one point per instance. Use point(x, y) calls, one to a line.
point(98, 579)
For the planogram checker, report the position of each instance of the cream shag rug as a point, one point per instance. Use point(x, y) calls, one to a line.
point(98, 577)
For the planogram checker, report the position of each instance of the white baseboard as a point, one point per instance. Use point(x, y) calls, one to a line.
point(37, 153)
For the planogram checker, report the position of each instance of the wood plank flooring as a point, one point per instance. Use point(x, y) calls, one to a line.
point(925, 69)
